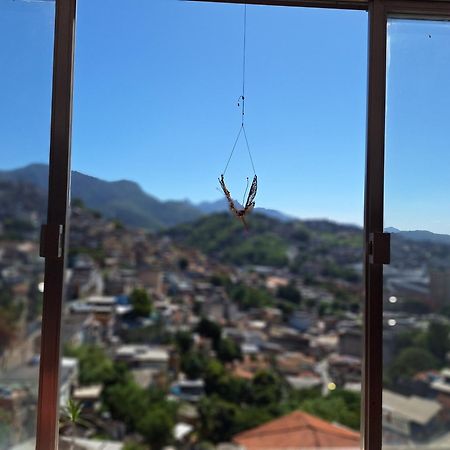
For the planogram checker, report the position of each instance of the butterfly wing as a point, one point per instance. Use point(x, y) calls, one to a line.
point(228, 195)
point(250, 203)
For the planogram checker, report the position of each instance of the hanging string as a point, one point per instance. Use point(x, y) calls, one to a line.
point(244, 58)
point(248, 149)
point(241, 101)
point(232, 151)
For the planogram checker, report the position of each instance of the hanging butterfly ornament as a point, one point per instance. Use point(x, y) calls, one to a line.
point(249, 203)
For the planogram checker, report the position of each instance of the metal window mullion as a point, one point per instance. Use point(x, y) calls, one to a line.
point(57, 215)
point(331, 4)
point(418, 9)
point(373, 223)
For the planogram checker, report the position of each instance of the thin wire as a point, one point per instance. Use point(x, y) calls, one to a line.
point(242, 98)
point(248, 149)
point(244, 58)
point(234, 147)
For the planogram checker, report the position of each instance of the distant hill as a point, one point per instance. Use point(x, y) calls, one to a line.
point(309, 246)
point(306, 246)
point(425, 236)
point(420, 235)
point(122, 200)
point(221, 205)
point(125, 200)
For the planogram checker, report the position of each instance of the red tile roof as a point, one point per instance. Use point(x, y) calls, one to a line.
point(299, 431)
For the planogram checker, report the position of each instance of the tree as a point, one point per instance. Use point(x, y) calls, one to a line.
point(218, 419)
point(183, 264)
point(184, 341)
point(266, 388)
point(228, 350)
point(126, 402)
point(250, 297)
point(94, 365)
point(134, 446)
point(219, 279)
point(141, 302)
point(209, 329)
point(340, 406)
point(214, 372)
point(193, 364)
point(250, 417)
point(7, 333)
point(156, 425)
point(289, 293)
point(221, 383)
point(438, 340)
point(410, 361)
point(72, 415)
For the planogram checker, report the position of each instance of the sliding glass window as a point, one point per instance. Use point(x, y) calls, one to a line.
point(26, 60)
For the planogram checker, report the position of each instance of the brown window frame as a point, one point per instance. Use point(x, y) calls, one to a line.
point(56, 230)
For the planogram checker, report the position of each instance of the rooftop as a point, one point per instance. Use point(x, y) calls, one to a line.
point(88, 392)
point(414, 409)
point(298, 430)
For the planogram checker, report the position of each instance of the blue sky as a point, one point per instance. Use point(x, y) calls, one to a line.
point(155, 101)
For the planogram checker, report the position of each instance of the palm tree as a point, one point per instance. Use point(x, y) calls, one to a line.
point(72, 415)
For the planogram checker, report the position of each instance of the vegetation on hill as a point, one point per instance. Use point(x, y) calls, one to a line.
point(123, 200)
point(417, 351)
point(305, 246)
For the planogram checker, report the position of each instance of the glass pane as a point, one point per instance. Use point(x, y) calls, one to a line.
point(243, 328)
point(416, 398)
point(26, 61)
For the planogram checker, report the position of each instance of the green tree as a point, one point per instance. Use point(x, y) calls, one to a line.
point(228, 350)
point(221, 383)
point(438, 340)
point(250, 417)
point(7, 333)
point(72, 415)
point(94, 365)
point(134, 446)
point(340, 406)
point(410, 361)
point(184, 341)
point(266, 389)
point(250, 297)
point(127, 402)
point(156, 425)
point(193, 364)
point(289, 293)
point(183, 264)
point(141, 302)
point(214, 372)
point(209, 329)
point(219, 279)
point(218, 419)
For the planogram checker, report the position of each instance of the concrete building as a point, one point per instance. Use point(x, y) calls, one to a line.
point(409, 419)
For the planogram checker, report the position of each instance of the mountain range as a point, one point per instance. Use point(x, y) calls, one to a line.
point(125, 200)
point(420, 235)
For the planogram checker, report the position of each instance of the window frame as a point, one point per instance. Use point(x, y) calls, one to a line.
point(55, 233)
